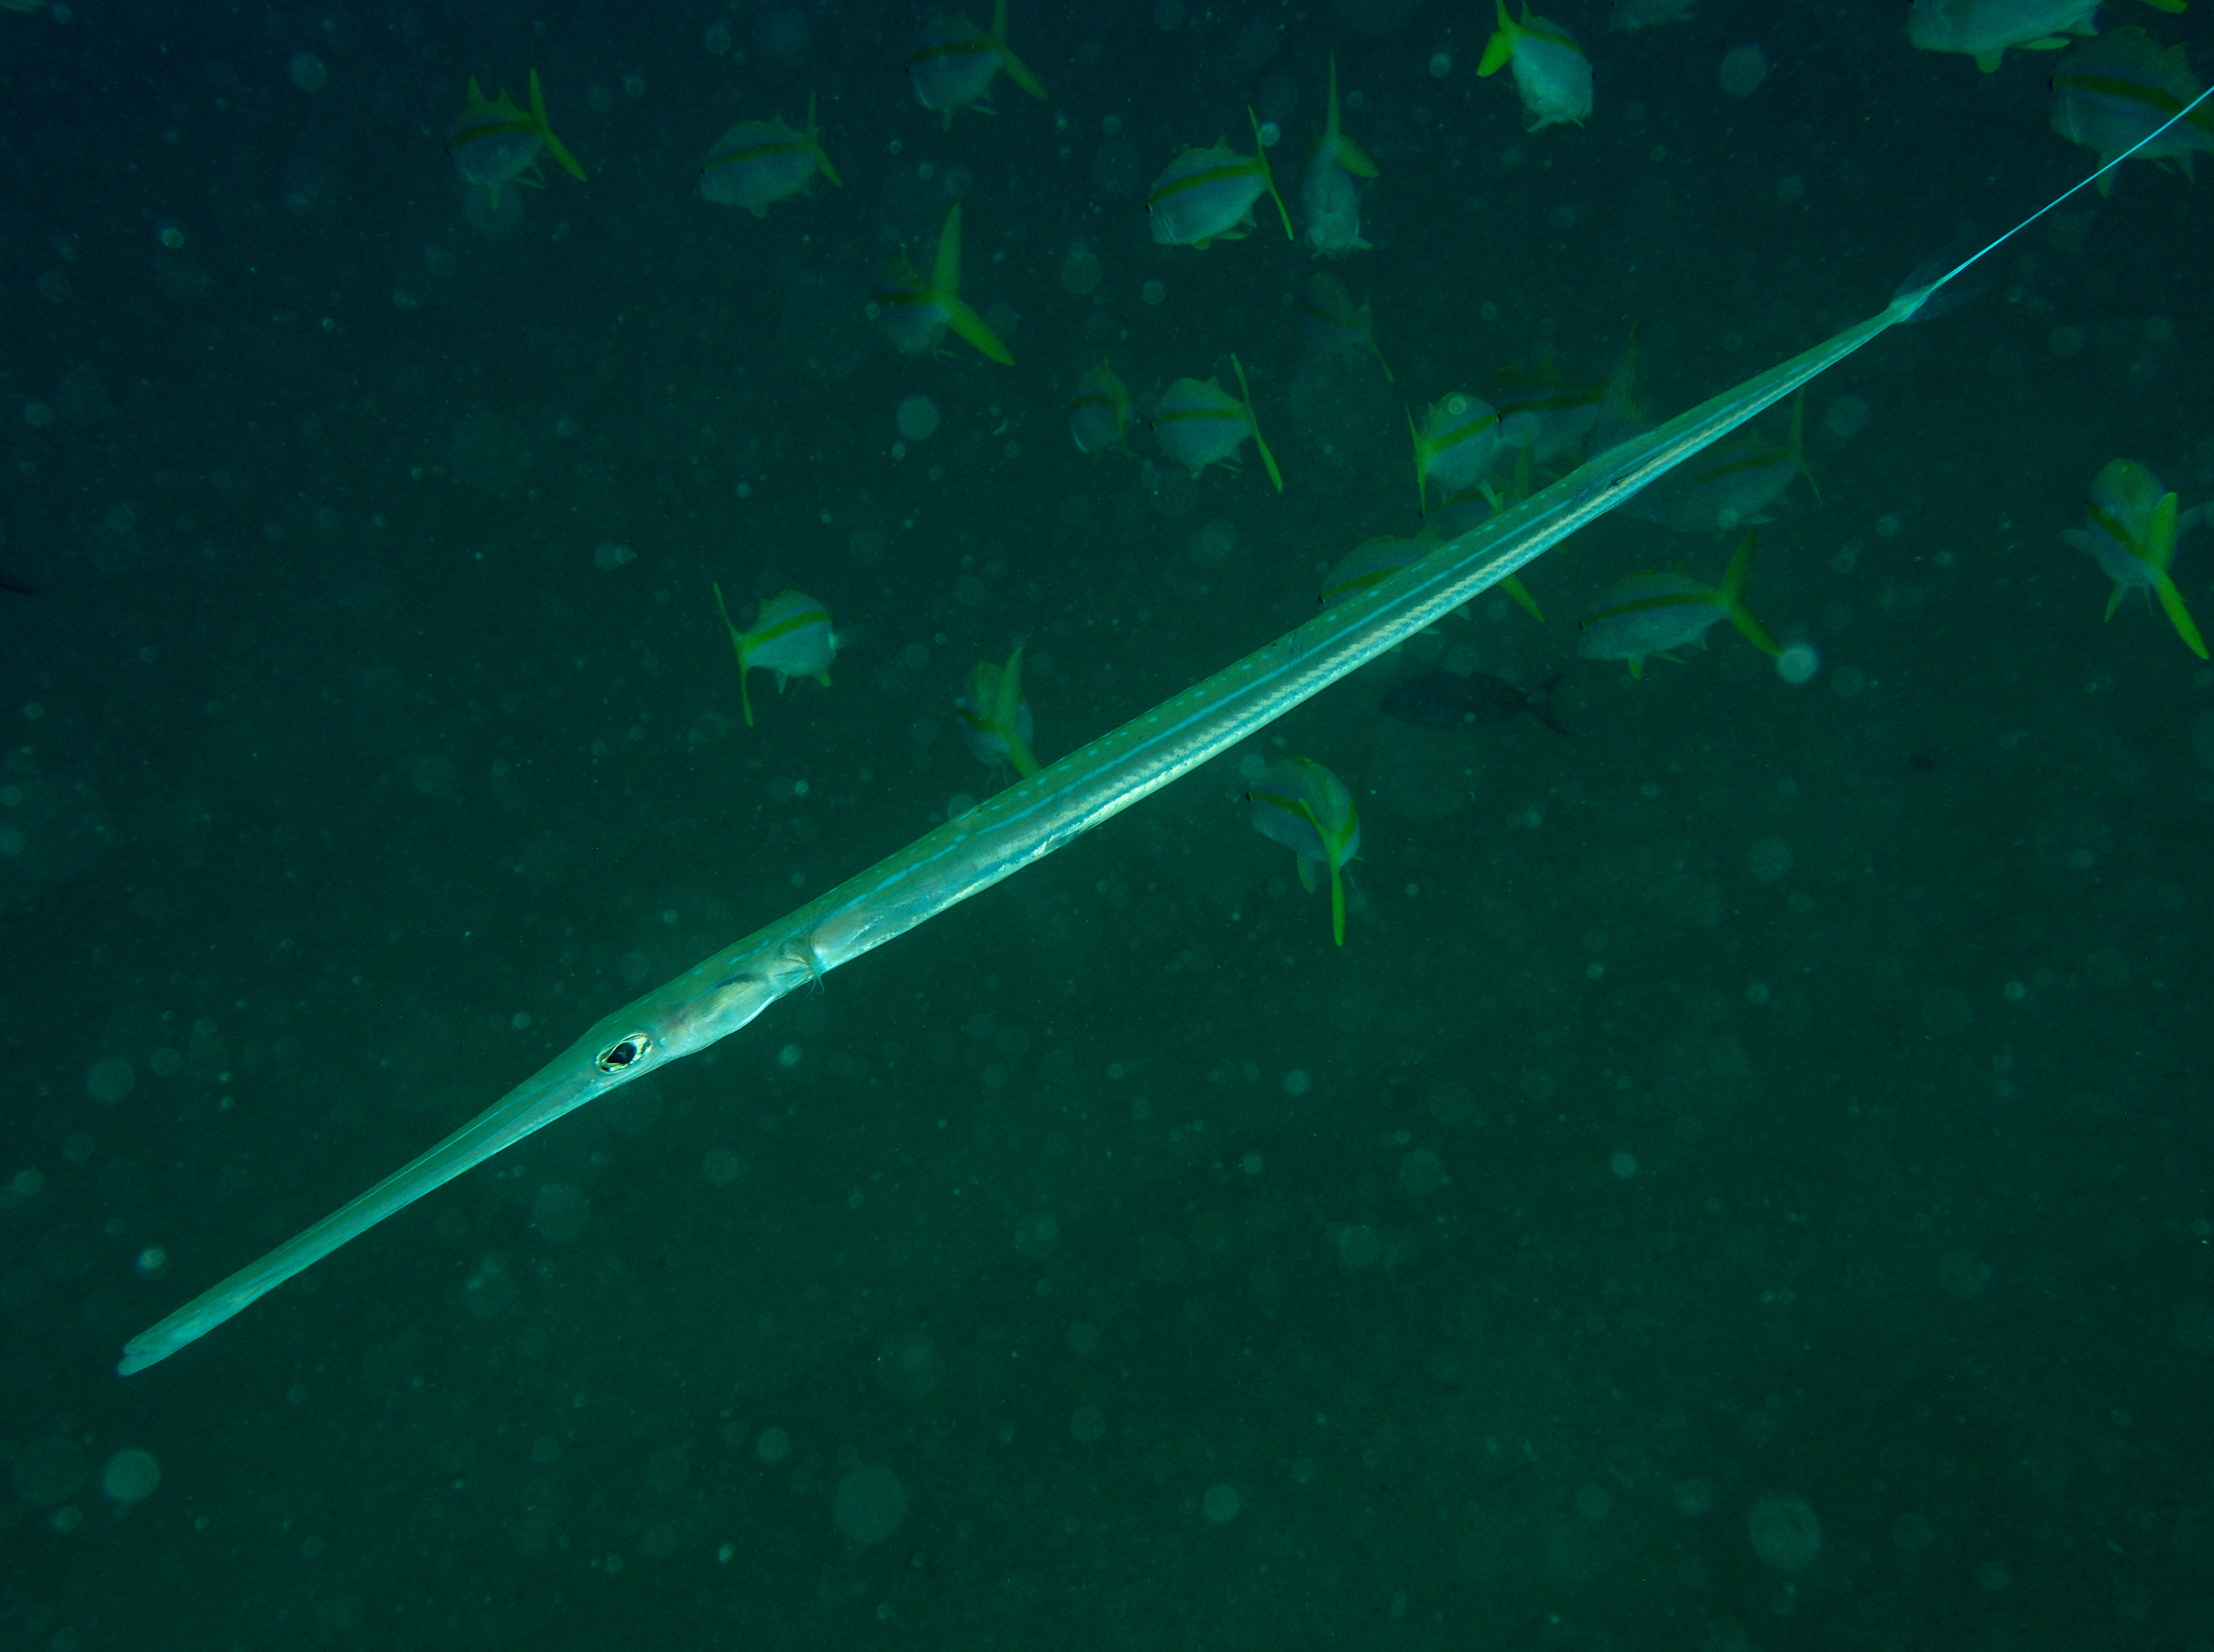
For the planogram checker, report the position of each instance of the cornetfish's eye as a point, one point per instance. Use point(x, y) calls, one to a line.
point(624, 1052)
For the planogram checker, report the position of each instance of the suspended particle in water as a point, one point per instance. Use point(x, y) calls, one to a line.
point(1743, 70)
point(1785, 1532)
point(918, 419)
point(309, 72)
point(1222, 1504)
point(1798, 663)
point(130, 1477)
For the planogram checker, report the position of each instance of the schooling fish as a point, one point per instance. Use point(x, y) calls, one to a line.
point(1447, 699)
point(1328, 195)
point(953, 67)
point(1207, 195)
point(1550, 71)
point(757, 164)
point(2131, 536)
point(1552, 415)
point(1455, 445)
point(1336, 323)
point(1649, 614)
point(791, 636)
point(2110, 93)
point(493, 142)
point(1297, 802)
point(1200, 424)
point(994, 718)
point(1731, 484)
point(914, 313)
point(1099, 413)
point(1374, 560)
point(1986, 29)
point(1457, 518)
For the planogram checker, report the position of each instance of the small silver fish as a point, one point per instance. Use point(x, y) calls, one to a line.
point(1987, 29)
point(2110, 92)
point(1198, 424)
point(2131, 535)
point(1648, 614)
point(953, 67)
point(1100, 414)
point(1328, 196)
point(1207, 195)
point(1730, 484)
point(914, 313)
point(1550, 71)
point(1337, 323)
point(1647, 14)
point(1297, 802)
point(495, 144)
point(757, 164)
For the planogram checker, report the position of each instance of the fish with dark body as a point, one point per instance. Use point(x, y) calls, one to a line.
point(1447, 699)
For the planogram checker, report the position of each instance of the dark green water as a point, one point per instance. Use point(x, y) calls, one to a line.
point(1767, 1093)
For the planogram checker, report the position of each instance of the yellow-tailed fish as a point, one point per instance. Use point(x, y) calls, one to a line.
point(1297, 802)
point(791, 636)
point(2132, 536)
point(994, 718)
point(1647, 14)
point(1374, 560)
point(953, 67)
point(1201, 423)
point(1649, 614)
point(1550, 415)
point(1729, 485)
point(1455, 444)
point(1328, 196)
point(1099, 413)
point(495, 144)
point(1336, 323)
point(1207, 195)
point(1986, 29)
point(2110, 93)
point(1550, 71)
point(915, 313)
point(757, 164)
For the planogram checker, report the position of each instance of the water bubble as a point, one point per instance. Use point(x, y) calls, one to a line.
point(1798, 663)
point(152, 1262)
point(110, 1079)
point(1623, 1164)
point(1222, 1504)
point(1770, 859)
point(1846, 417)
point(1785, 1532)
point(773, 1446)
point(1154, 292)
point(170, 236)
point(1743, 70)
point(308, 70)
point(1087, 1424)
point(918, 419)
point(1441, 64)
point(869, 1506)
point(1271, 134)
point(560, 1212)
point(1079, 270)
point(130, 1477)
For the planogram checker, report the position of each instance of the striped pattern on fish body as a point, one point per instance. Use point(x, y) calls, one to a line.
point(1328, 198)
point(1297, 802)
point(2131, 534)
point(1209, 195)
point(495, 143)
point(915, 313)
point(2109, 93)
point(1550, 71)
point(1099, 413)
point(1648, 614)
point(1335, 321)
point(791, 636)
point(1371, 563)
point(1455, 444)
point(994, 718)
point(757, 164)
point(954, 66)
point(1198, 424)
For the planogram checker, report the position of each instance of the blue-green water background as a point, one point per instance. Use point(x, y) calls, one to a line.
point(348, 788)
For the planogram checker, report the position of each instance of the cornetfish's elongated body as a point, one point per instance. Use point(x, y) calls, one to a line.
point(1035, 816)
